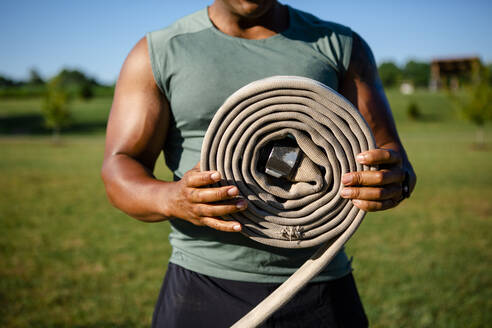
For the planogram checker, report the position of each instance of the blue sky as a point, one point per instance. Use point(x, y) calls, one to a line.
point(96, 35)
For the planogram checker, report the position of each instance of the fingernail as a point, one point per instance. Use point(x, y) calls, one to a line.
point(346, 192)
point(241, 204)
point(232, 192)
point(356, 202)
point(346, 179)
point(361, 157)
point(215, 176)
point(236, 227)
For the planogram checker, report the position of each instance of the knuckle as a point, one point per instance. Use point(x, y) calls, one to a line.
point(187, 179)
point(220, 194)
point(204, 211)
point(208, 211)
point(355, 192)
point(211, 223)
point(190, 194)
point(198, 210)
point(357, 178)
point(199, 197)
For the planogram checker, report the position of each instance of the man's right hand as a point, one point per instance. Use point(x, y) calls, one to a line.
point(193, 201)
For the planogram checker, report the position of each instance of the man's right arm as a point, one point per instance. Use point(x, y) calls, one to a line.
point(136, 131)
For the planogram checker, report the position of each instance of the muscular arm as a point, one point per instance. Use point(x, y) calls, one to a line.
point(362, 86)
point(135, 135)
point(136, 132)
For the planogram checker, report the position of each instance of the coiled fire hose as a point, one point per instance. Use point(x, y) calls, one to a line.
point(285, 142)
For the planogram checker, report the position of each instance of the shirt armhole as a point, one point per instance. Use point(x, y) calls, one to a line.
point(347, 51)
point(154, 62)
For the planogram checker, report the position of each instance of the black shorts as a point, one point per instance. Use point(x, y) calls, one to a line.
point(190, 299)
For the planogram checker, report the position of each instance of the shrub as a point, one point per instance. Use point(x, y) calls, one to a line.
point(55, 108)
point(413, 111)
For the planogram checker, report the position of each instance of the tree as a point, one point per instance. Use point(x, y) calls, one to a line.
point(78, 84)
point(390, 74)
point(6, 82)
point(55, 108)
point(476, 105)
point(34, 77)
point(417, 72)
point(75, 77)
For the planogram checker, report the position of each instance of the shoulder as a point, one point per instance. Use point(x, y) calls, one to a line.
point(332, 40)
point(192, 23)
point(313, 24)
point(362, 62)
point(159, 43)
point(136, 72)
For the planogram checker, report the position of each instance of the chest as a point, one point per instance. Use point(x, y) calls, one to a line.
point(206, 70)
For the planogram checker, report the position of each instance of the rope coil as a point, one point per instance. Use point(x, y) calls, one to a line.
point(306, 210)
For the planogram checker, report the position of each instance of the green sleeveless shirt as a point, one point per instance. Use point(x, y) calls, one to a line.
point(197, 67)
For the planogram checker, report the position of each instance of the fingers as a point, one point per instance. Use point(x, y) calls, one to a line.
point(379, 156)
point(207, 206)
point(372, 206)
point(375, 190)
point(391, 191)
point(218, 224)
point(228, 226)
point(373, 178)
point(195, 178)
point(209, 215)
point(208, 195)
point(208, 210)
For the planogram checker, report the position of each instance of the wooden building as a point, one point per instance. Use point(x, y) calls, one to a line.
point(447, 73)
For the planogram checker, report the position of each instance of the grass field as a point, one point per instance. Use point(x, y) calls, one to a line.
point(67, 259)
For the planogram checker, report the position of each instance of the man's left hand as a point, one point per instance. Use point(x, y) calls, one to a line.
point(376, 190)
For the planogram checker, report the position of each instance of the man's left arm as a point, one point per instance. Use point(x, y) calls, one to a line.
point(395, 179)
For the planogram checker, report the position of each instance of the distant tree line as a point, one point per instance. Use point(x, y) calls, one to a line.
point(74, 82)
point(57, 94)
point(414, 72)
point(474, 98)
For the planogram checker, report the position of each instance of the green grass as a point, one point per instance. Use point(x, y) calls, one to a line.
point(68, 259)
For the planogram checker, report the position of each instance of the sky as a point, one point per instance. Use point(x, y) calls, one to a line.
point(96, 35)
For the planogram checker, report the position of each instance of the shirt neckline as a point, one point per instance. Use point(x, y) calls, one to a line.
point(239, 39)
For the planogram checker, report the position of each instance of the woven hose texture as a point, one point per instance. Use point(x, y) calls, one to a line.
point(305, 210)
